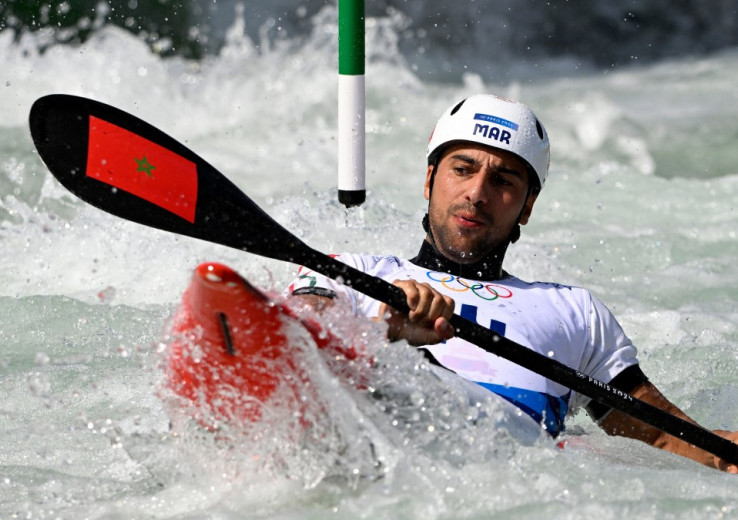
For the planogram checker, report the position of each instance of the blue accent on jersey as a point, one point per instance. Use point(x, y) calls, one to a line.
point(531, 402)
point(470, 313)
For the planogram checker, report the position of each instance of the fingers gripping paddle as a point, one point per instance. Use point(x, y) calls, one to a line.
point(127, 167)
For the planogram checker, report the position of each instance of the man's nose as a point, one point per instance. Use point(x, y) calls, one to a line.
point(478, 189)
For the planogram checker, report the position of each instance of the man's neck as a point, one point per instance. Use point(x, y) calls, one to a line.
point(489, 268)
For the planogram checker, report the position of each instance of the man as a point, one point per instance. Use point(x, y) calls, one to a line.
point(488, 159)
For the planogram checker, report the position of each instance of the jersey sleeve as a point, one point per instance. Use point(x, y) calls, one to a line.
point(610, 357)
point(308, 281)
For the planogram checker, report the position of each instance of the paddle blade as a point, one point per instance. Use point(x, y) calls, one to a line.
point(126, 167)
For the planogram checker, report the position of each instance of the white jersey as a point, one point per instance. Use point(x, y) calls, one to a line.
point(565, 323)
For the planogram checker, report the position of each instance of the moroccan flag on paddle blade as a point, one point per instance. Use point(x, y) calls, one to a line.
point(141, 167)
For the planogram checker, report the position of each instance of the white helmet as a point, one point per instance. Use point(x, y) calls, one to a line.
point(496, 122)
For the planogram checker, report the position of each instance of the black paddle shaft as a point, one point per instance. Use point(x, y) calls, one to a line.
point(62, 127)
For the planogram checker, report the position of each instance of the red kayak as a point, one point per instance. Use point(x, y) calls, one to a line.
point(231, 353)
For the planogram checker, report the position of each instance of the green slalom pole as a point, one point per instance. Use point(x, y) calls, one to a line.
point(351, 103)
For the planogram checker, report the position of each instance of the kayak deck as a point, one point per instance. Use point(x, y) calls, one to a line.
point(230, 351)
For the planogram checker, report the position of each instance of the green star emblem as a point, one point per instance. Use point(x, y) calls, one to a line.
point(144, 166)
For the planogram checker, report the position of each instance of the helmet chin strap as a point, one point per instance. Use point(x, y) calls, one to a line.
point(426, 218)
point(515, 233)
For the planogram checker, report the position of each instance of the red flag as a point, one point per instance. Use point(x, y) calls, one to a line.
point(141, 167)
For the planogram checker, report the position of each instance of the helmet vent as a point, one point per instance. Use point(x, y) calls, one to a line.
point(457, 107)
point(539, 128)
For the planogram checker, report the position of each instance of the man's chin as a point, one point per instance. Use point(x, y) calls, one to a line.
point(466, 257)
point(472, 255)
point(470, 248)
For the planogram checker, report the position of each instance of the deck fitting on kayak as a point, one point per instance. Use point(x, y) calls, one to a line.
point(226, 333)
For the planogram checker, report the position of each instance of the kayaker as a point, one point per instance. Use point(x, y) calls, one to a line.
point(488, 159)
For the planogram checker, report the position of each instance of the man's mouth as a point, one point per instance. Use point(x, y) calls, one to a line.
point(471, 221)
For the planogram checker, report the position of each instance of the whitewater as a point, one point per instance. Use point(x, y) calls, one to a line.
point(640, 208)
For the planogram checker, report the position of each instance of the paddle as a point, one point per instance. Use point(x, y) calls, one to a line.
point(126, 167)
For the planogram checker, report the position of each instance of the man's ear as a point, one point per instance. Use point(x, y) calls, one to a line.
point(528, 209)
point(428, 177)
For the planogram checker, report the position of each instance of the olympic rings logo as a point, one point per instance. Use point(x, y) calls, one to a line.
point(485, 291)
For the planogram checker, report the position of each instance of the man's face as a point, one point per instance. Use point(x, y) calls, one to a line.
point(478, 194)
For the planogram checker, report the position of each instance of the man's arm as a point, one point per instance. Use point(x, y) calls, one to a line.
point(318, 303)
point(619, 423)
point(427, 322)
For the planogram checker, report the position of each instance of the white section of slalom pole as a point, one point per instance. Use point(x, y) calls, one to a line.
point(351, 140)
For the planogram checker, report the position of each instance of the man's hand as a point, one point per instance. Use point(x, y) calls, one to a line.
point(428, 320)
point(720, 463)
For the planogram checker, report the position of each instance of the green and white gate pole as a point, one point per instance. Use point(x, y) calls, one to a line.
point(351, 103)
